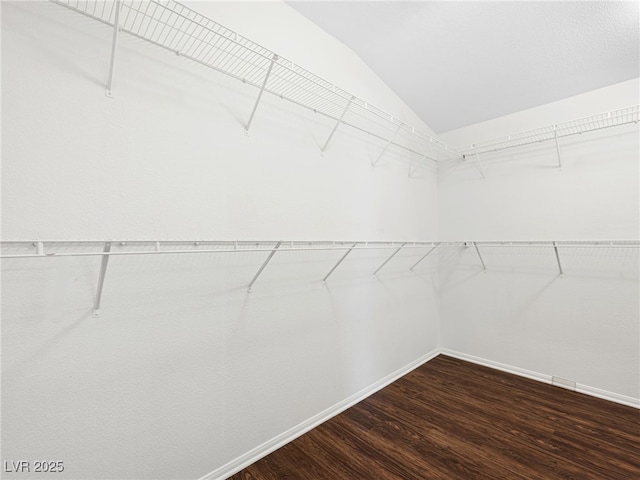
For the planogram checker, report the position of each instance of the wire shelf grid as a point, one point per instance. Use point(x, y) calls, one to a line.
point(548, 243)
point(592, 123)
point(64, 248)
point(175, 27)
point(182, 30)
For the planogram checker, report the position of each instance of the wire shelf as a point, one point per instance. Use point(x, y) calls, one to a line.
point(14, 250)
point(65, 248)
point(601, 121)
point(548, 243)
point(88, 248)
point(175, 27)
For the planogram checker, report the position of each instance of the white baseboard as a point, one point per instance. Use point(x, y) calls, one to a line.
point(611, 396)
point(266, 448)
point(586, 389)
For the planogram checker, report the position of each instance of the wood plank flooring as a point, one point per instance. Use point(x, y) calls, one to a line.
point(451, 419)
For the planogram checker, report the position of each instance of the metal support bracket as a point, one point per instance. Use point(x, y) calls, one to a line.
point(425, 256)
point(103, 272)
point(335, 127)
point(555, 248)
point(264, 84)
point(484, 177)
point(384, 149)
point(555, 132)
point(114, 47)
point(387, 260)
point(262, 267)
point(339, 262)
point(484, 267)
point(414, 170)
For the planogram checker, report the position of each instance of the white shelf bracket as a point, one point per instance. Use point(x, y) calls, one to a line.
point(484, 177)
point(414, 170)
point(103, 272)
point(424, 256)
point(555, 249)
point(264, 85)
point(384, 149)
point(555, 135)
point(114, 48)
point(339, 262)
point(484, 267)
point(262, 267)
point(388, 259)
point(335, 127)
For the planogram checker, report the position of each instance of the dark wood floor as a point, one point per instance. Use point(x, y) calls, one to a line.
point(451, 419)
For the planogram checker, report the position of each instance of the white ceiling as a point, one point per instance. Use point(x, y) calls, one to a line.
point(460, 63)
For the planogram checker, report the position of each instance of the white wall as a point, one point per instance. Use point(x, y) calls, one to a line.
point(583, 327)
point(185, 371)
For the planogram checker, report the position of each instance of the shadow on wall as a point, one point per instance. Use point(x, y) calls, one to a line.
point(20, 368)
point(527, 303)
point(68, 60)
point(576, 151)
point(602, 262)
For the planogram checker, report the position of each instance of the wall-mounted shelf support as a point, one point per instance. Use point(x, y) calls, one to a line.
point(388, 259)
point(114, 47)
point(339, 262)
point(384, 149)
point(424, 256)
point(555, 135)
point(103, 272)
point(335, 127)
point(412, 170)
point(262, 267)
point(484, 267)
point(555, 248)
point(264, 84)
point(484, 177)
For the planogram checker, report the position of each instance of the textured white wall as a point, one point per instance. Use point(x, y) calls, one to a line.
point(185, 371)
point(583, 327)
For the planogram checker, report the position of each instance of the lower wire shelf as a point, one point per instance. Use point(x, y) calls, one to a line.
point(21, 249)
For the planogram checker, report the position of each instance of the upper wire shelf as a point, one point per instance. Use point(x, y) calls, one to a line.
point(185, 32)
point(592, 123)
point(175, 27)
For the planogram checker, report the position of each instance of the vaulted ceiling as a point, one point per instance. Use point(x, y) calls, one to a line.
point(459, 63)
